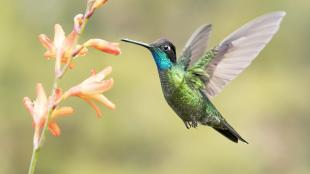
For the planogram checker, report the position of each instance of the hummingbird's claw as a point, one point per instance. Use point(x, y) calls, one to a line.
point(190, 124)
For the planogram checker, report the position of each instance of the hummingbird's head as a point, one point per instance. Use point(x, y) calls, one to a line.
point(163, 52)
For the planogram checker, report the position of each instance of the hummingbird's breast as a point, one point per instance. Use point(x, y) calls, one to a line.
point(170, 80)
point(186, 101)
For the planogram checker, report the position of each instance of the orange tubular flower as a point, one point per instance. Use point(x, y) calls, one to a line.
point(104, 46)
point(60, 112)
point(92, 88)
point(99, 3)
point(38, 110)
point(62, 47)
point(94, 4)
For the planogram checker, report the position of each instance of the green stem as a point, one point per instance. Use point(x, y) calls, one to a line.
point(34, 159)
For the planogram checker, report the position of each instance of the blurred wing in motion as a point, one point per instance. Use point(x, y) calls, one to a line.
point(195, 46)
point(239, 49)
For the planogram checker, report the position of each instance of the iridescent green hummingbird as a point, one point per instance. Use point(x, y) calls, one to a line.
point(189, 82)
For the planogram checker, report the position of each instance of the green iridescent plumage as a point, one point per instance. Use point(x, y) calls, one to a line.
point(189, 81)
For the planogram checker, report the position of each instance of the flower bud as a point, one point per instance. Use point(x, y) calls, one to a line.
point(104, 46)
point(78, 21)
point(99, 3)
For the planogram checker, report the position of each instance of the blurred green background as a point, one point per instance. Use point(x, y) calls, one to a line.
point(268, 104)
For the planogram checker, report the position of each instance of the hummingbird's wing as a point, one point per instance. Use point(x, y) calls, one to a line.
point(195, 46)
point(237, 51)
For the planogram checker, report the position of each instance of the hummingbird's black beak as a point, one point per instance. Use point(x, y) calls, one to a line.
point(136, 42)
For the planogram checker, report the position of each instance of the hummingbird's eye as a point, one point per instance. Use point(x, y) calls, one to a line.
point(166, 47)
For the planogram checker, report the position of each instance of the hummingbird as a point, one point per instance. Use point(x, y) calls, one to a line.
point(190, 81)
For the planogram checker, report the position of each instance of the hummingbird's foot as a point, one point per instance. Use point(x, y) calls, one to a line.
point(187, 125)
point(190, 124)
point(194, 124)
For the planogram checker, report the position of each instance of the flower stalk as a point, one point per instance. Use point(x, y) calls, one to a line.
point(44, 110)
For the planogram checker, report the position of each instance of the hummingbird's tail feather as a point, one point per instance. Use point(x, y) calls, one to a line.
point(230, 133)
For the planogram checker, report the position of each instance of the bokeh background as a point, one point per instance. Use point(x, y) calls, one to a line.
point(268, 104)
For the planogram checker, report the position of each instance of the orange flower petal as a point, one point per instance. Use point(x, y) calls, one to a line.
point(28, 105)
point(105, 101)
point(106, 85)
point(49, 54)
point(103, 73)
point(99, 3)
point(54, 128)
point(104, 46)
point(46, 42)
point(59, 36)
point(63, 111)
point(41, 96)
point(40, 104)
point(97, 87)
point(93, 105)
point(97, 77)
point(70, 41)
